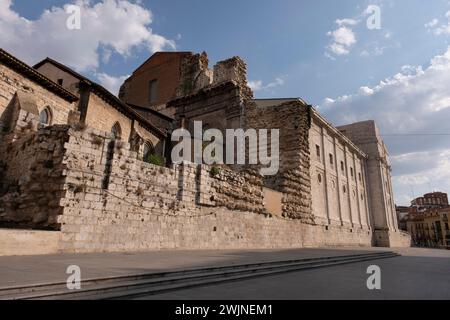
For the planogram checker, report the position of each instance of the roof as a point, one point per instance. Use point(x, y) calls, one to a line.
point(34, 75)
point(152, 111)
point(106, 95)
point(160, 120)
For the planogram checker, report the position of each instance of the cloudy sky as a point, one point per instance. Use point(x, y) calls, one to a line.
point(323, 51)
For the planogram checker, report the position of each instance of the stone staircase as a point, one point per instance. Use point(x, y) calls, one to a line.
point(140, 285)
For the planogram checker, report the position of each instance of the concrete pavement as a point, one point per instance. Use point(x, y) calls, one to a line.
point(417, 267)
point(22, 270)
point(418, 274)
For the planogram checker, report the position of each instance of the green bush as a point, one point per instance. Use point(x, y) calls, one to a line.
point(155, 159)
point(215, 171)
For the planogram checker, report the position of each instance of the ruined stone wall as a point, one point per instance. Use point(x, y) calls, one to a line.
point(242, 191)
point(218, 107)
point(194, 74)
point(293, 179)
point(188, 206)
point(144, 206)
point(103, 198)
point(11, 82)
point(32, 179)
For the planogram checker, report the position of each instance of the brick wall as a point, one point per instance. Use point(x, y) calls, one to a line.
point(163, 67)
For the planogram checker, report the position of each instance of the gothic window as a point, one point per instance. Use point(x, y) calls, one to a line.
point(116, 131)
point(45, 117)
point(149, 150)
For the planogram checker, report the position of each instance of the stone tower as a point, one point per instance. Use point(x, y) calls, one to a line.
point(366, 136)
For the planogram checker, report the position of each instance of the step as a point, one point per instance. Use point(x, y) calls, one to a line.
point(136, 293)
point(112, 285)
point(114, 279)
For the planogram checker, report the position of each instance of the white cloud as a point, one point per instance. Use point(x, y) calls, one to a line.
point(412, 109)
point(119, 26)
point(432, 23)
point(110, 82)
point(366, 91)
point(342, 39)
point(443, 29)
point(346, 22)
point(257, 85)
point(373, 49)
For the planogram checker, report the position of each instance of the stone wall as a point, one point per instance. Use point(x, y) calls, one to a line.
point(106, 199)
point(33, 179)
point(187, 206)
point(293, 178)
point(14, 242)
point(142, 206)
point(218, 107)
point(101, 115)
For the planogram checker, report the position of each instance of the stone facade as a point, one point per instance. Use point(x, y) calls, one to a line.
point(102, 110)
point(14, 79)
point(94, 190)
point(338, 178)
point(366, 136)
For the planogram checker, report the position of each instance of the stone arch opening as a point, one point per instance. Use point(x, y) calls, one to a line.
point(116, 131)
point(45, 117)
point(148, 152)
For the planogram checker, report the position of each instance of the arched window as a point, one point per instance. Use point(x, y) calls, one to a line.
point(149, 150)
point(116, 131)
point(45, 117)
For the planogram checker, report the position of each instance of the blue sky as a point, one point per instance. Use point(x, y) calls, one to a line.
point(395, 74)
point(286, 39)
